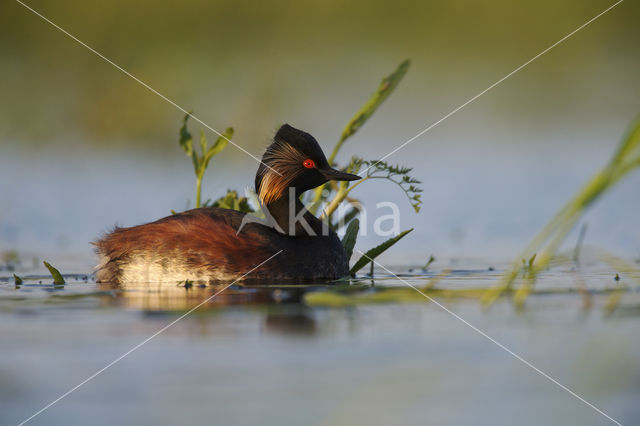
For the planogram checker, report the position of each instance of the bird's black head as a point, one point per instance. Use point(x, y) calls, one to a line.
point(294, 159)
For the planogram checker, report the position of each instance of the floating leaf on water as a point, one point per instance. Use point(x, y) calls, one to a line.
point(326, 298)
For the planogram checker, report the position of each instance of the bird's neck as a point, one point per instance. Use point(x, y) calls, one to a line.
point(293, 218)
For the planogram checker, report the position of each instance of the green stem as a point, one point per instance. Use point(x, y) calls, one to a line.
point(336, 148)
point(317, 195)
point(339, 198)
point(198, 190)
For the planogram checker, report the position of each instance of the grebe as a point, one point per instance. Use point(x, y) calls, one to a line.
point(214, 244)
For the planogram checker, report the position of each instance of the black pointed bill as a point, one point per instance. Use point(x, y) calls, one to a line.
point(333, 174)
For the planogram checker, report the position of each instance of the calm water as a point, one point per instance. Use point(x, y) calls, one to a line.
point(263, 356)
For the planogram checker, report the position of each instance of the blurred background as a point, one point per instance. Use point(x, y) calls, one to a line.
point(83, 146)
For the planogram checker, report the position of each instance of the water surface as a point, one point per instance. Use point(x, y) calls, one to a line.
point(261, 355)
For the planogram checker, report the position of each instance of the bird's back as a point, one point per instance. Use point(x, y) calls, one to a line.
point(204, 245)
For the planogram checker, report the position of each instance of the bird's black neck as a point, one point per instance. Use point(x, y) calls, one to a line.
point(293, 218)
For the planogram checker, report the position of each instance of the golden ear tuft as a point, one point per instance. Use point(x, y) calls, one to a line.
point(286, 160)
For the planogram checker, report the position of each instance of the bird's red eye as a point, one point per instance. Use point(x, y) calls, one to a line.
point(308, 163)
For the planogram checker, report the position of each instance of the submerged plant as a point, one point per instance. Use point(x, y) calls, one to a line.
point(625, 159)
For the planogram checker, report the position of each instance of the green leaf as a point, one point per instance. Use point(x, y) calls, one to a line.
point(376, 251)
point(385, 88)
point(197, 164)
point(555, 231)
point(17, 279)
point(232, 201)
point(329, 299)
point(429, 262)
point(203, 142)
point(221, 142)
point(186, 141)
point(350, 236)
point(352, 213)
point(57, 277)
point(629, 144)
point(218, 146)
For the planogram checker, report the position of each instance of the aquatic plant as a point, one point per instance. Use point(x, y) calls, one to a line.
point(429, 262)
point(544, 246)
point(201, 161)
point(375, 170)
point(376, 251)
point(231, 200)
point(57, 277)
point(350, 236)
point(333, 194)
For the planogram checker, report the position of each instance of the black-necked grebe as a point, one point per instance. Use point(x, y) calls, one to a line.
point(215, 244)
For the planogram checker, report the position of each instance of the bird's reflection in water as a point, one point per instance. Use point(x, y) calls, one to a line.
point(282, 305)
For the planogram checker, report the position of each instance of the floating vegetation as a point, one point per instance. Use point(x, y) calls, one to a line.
point(57, 277)
point(452, 286)
point(429, 262)
point(332, 298)
point(546, 244)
